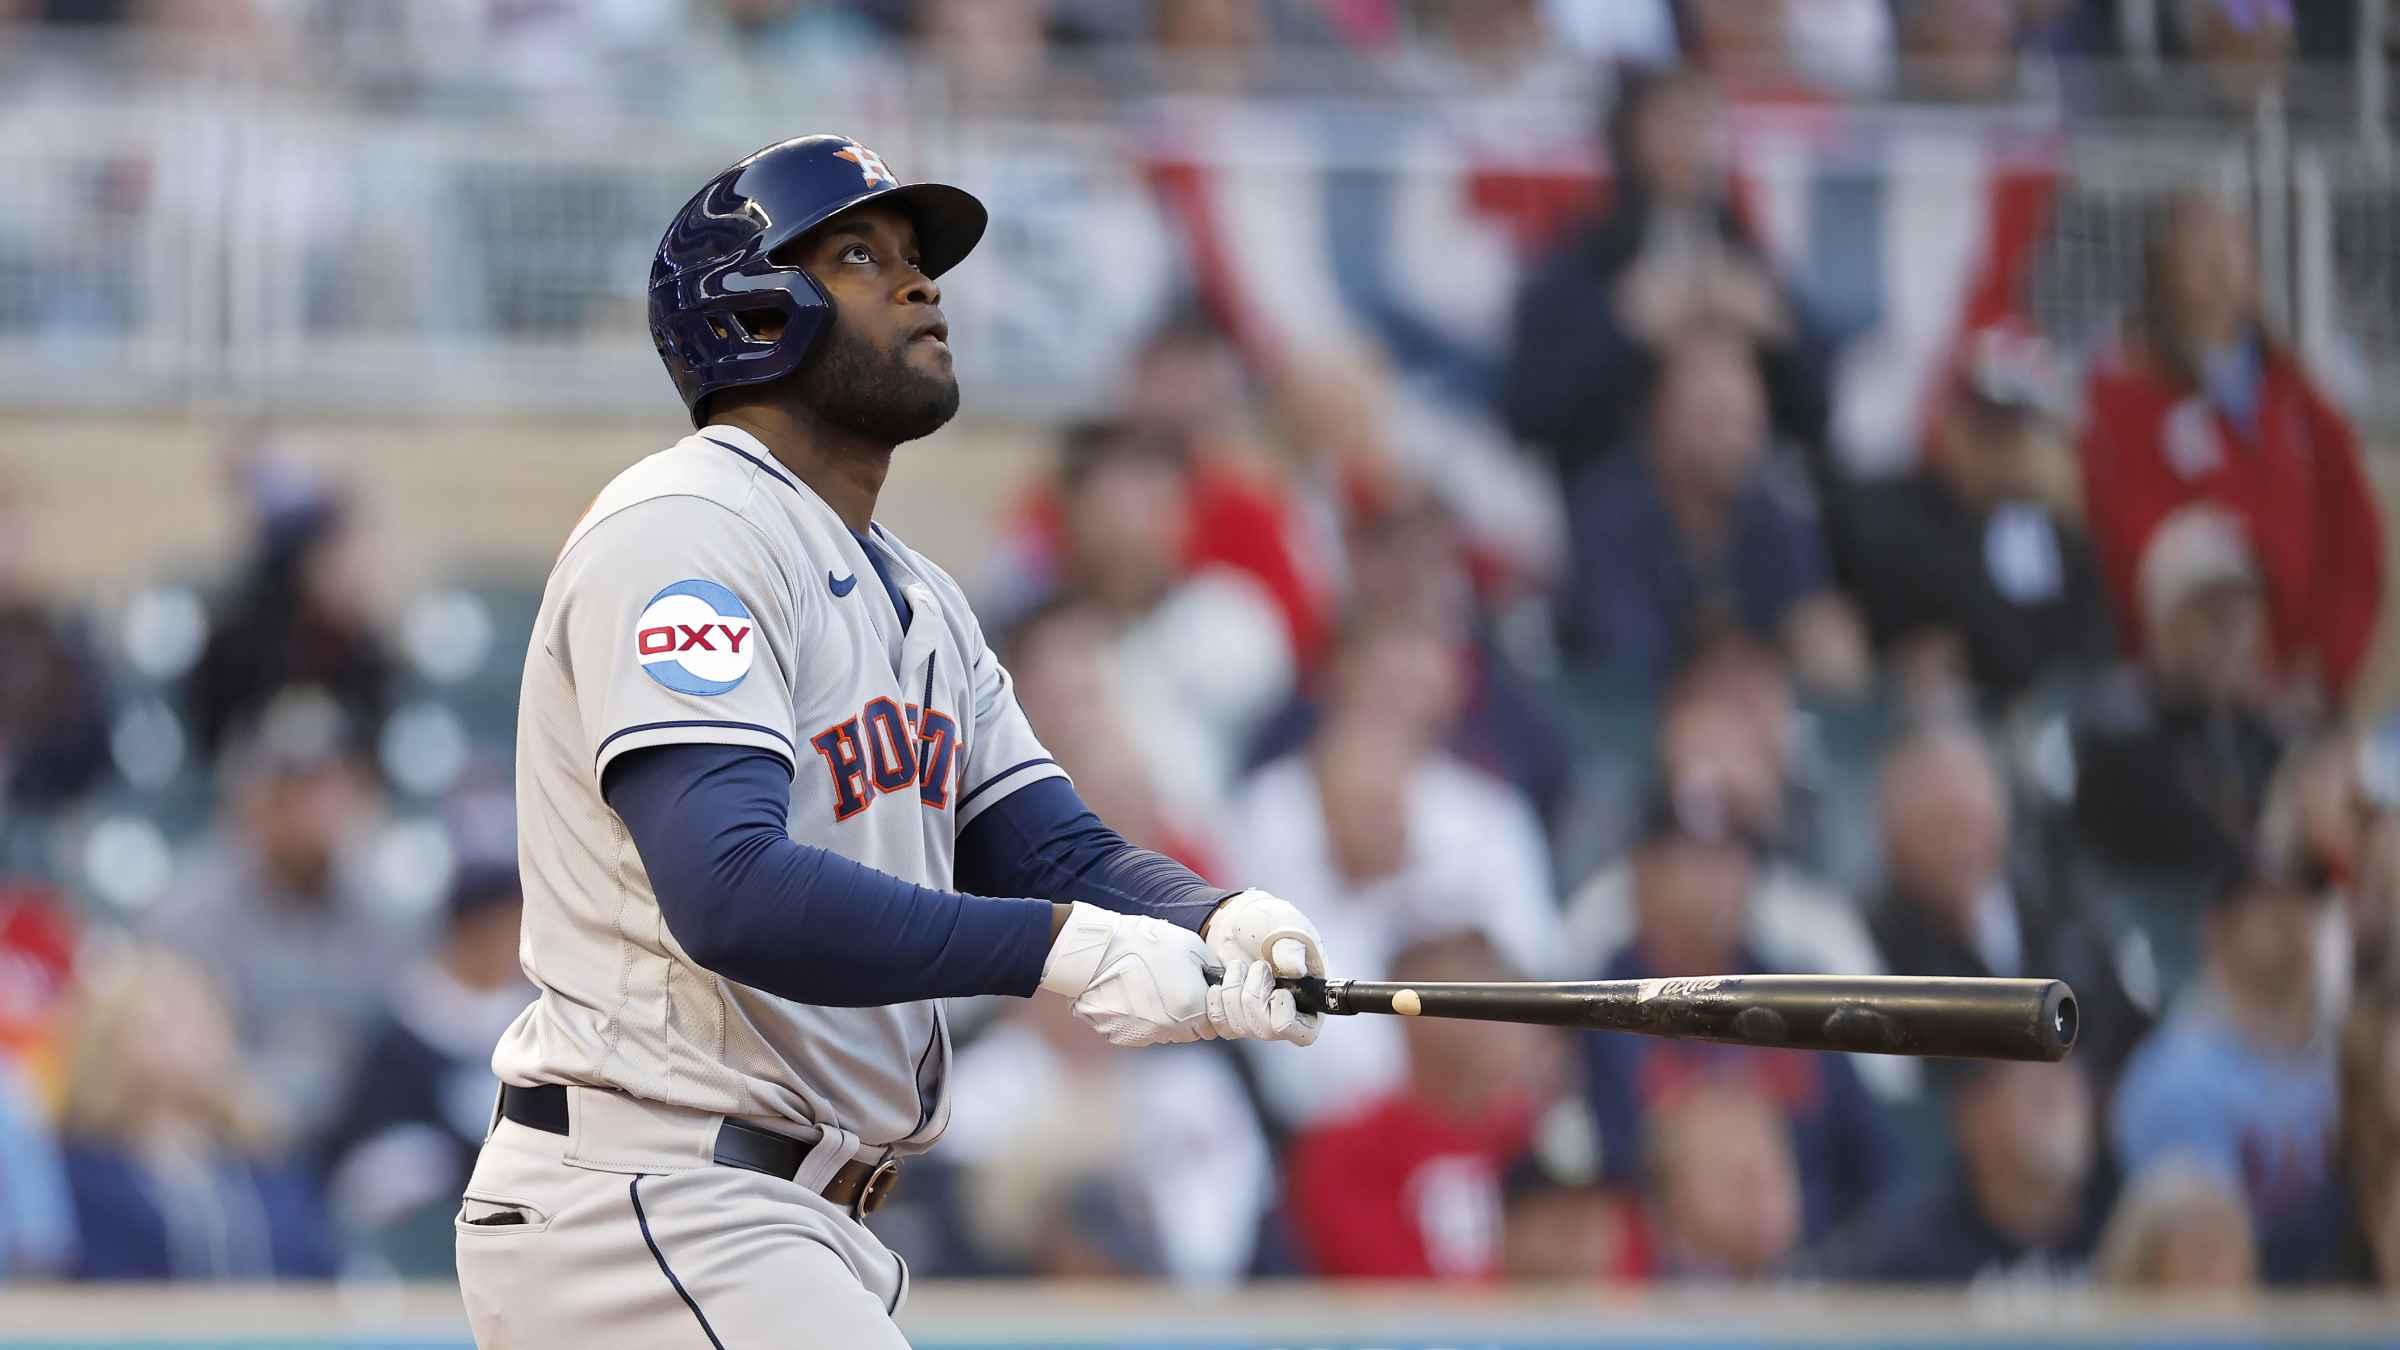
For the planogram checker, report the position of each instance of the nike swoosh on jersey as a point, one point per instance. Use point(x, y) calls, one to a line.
point(843, 586)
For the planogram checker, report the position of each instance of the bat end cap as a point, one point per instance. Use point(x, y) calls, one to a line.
point(2064, 1021)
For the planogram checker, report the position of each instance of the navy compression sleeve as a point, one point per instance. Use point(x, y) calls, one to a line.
point(1042, 840)
point(753, 904)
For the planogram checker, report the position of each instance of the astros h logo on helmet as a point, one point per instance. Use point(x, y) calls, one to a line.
point(870, 165)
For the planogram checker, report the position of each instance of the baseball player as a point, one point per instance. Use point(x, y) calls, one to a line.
point(770, 778)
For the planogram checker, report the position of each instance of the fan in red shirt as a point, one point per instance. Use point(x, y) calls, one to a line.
point(1408, 1187)
point(2197, 403)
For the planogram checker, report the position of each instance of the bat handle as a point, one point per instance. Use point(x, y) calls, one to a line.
point(1316, 994)
point(1313, 993)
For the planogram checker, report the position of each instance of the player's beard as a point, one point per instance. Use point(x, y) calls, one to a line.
point(876, 394)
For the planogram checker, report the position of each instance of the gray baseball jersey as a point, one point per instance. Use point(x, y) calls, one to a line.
point(710, 596)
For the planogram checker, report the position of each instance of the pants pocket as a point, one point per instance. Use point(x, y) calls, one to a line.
point(483, 1214)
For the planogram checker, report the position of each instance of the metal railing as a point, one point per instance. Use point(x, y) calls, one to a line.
point(199, 239)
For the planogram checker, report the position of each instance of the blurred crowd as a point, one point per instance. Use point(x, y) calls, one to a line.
point(2080, 687)
point(580, 54)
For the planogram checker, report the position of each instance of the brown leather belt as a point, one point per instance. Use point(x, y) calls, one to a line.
point(860, 1187)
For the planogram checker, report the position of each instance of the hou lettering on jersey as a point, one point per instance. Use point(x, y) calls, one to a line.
point(888, 749)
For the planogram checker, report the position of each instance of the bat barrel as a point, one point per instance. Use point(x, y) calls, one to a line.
point(1884, 1015)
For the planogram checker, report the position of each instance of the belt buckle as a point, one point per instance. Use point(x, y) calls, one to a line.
point(879, 1186)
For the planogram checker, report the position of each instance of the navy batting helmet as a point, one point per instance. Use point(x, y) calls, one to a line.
point(715, 274)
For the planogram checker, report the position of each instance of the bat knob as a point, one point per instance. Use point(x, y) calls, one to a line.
point(2060, 1018)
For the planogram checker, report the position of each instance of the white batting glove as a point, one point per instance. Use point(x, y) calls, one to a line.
point(1256, 926)
point(1246, 1005)
point(1134, 979)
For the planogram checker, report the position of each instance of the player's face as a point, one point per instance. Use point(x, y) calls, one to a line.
point(883, 370)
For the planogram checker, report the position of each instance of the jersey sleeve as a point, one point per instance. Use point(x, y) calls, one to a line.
point(1003, 754)
point(677, 626)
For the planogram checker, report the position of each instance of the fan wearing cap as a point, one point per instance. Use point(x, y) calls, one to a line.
point(2172, 771)
point(776, 801)
point(1973, 566)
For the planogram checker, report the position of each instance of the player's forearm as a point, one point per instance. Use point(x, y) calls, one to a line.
point(1042, 840)
point(745, 900)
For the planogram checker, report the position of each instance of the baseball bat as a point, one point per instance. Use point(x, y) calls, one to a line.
point(1871, 1014)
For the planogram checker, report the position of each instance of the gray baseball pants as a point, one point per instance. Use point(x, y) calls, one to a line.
point(633, 1239)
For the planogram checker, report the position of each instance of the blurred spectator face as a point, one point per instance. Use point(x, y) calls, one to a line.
point(1739, 40)
point(1993, 450)
point(1188, 379)
point(1229, 26)
point(482, 946)
point(1691, 899)
point(153, 1054)
point(1127, 517)
point(991, 46)
point(1945, 823)
point(2262, 944)
point(1493, 33)
point(1748, 678)
point(1405, 561)
point(1710, 420)
point(1060, 660)
point(333, 577)
point(182, 1038)
point(2004, 433)
point(1963, 49)
point(297, 817)
point(1062, 664)
point(1710, 744)
point(1362, 782)
point(2027, 1130)
point(2206, 279)
point(1723, 1182)
point(2213, 646)
point(2203, 612)
point(1207, 43)
point(1401, 675)
point(1331, 403)
point(1677, 142)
